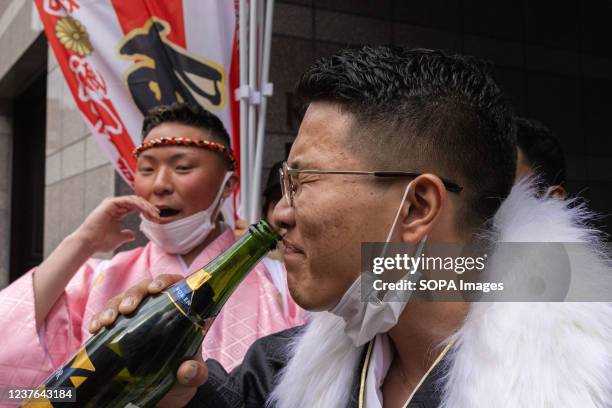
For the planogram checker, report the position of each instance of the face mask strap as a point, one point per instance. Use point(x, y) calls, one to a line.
point(366, 317)
point(218, 199)
point(226, 178)
point(421, 244)
point(397, 214)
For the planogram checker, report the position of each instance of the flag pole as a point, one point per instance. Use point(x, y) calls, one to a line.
point(243, 95)
point(266, 91)
point(253, 100)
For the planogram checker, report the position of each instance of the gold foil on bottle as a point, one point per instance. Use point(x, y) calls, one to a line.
point(197, 279)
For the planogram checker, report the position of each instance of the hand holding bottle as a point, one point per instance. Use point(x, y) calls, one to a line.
point(138, 357)
point(191, 374)
point(128, 301)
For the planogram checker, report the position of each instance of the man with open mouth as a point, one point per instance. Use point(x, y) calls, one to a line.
point(184, 172)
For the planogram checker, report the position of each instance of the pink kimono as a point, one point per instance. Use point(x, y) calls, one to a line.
point(255, 310)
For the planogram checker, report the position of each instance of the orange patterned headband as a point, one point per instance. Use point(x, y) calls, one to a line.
point(185, 141)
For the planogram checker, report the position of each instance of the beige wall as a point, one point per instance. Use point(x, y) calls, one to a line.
point(19, 27)
point(78, 176)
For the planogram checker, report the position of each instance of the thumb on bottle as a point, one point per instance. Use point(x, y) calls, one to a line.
point(192, 373)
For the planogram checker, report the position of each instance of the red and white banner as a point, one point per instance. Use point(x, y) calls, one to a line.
point(122, 57)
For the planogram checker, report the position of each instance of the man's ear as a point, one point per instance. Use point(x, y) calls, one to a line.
point(420, 212)
point(230, 186)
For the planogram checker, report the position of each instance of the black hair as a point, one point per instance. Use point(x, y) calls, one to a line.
point(186, 114)
point(427, 111)
point(542, 150)
point(273, 192)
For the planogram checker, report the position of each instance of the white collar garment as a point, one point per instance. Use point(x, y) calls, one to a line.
point(380, 361)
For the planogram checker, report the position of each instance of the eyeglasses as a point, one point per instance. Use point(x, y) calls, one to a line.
point(289, 179)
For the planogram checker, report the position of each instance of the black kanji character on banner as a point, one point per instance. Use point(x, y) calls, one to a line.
point(164, 73)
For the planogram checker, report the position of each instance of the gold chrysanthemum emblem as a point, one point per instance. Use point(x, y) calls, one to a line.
point(72, 34)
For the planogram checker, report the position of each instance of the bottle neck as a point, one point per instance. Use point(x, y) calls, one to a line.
point(242, 255)
point(212, 285)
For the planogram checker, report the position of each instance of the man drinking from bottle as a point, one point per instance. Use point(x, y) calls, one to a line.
point(413, 147)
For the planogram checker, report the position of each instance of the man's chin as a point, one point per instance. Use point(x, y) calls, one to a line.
point(306, 301)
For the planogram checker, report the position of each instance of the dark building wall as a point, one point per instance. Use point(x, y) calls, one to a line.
point(554, 58)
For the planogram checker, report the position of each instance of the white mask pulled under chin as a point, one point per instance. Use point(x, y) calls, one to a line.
point(365, 319)
point(181, 236)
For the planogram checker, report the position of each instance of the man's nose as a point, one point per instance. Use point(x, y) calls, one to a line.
point(283, 216)
point(162, 184)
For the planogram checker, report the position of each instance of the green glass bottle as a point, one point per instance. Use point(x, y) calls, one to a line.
point(134, 361)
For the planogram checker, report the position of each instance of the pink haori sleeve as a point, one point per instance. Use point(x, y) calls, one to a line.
point(28, 356)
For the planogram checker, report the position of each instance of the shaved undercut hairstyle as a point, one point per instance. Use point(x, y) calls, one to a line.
point(426, 111)
point(186, 114)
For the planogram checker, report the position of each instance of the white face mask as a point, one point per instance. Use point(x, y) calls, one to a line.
point(181, 236)
point(365, 319)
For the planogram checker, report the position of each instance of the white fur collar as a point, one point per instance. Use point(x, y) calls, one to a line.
point(506, 354)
